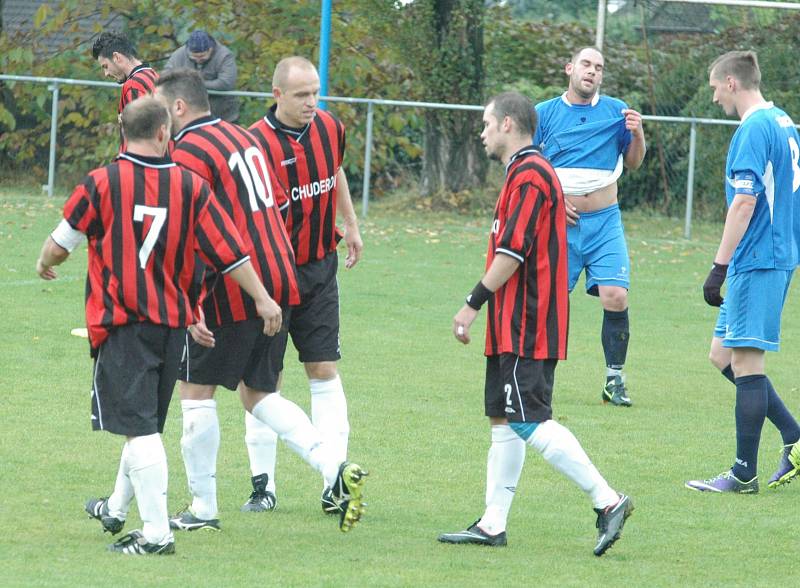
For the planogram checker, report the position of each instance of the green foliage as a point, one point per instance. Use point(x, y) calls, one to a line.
point(455, 51)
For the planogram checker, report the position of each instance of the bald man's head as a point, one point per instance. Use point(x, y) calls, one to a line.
point(142, 119)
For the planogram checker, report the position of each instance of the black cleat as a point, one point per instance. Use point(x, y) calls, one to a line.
point(348, 494)
point(610, 521)
point(97, 508)
point(474, 535)
point(134, 543)
point(261, 500)
point(329, 505)
point(186, 521)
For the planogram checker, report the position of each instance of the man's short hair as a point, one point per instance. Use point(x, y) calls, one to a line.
point(518, 108)
point(109, 43)
point(575, 55)
point(285, 65)
point(142, 118)
point(742, 65)
point(185, 84)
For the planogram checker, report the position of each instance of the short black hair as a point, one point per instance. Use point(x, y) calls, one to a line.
point(142, 118)
point(185, 84)
point(109, 43)
point(518, 108)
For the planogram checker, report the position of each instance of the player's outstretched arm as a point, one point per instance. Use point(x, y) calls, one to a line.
point(52, 254)
point(352, 236)
point(266, 307)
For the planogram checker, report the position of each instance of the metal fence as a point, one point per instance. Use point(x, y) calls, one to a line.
point(54, 85)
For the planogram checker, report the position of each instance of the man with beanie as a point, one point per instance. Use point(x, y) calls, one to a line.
point(216, 65)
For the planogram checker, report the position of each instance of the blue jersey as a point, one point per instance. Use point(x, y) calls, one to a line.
point(589, 136)
point(763, 162)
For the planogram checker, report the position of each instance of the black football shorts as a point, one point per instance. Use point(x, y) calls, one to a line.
point(134, 375)
point(241, 352)
point(518, 388)
point(315, 323)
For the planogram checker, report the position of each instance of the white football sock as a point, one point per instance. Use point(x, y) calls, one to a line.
point(294, 427)
point(147, 464)
point(262, 447)
point(120, 501)
point(563, 451)
point(329, 414)
point(503, 468)
point(199, 447)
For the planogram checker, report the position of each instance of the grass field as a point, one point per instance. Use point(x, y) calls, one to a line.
point(415, 398)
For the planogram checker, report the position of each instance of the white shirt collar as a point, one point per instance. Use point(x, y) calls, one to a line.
point(595, 100)
point(755, 108)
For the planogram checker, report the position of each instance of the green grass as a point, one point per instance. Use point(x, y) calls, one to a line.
point(415, 399)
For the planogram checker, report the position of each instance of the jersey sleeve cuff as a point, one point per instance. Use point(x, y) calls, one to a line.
point(66, 237)
point(233, 266)
point(510, 253)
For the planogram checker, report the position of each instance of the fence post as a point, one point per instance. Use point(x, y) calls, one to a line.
point(51, 166)
point(367, 161)
point(687, 232)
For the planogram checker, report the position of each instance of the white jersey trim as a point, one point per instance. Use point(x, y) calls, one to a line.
point(234, 265)
point(516, 256)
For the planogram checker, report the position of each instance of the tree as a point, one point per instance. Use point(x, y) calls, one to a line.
point(442, 42)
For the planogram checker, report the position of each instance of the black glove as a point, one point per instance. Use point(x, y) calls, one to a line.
point(713, 284)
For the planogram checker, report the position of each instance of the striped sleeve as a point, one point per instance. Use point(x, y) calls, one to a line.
point(80, 210)
point(520, 229)
point(219, 243)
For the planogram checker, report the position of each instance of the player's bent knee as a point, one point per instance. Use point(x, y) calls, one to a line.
point(614, 298)
point(189, 391)
point(321, 370)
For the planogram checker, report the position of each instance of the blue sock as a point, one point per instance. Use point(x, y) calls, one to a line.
point(751, 410)
point(614, 335)
point(780, 416)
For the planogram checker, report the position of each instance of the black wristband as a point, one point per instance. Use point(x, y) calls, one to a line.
point(478, 297)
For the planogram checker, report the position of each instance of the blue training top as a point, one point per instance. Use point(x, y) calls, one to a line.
point(763, 162)
point(589, 136)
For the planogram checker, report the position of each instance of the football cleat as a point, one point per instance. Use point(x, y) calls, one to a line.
point(348, 493)
point(474, 535)
point(134, 543)
point(261, 499)
point(186, 521)
point(97, 508)
point(788, 467)
point(610, 521)
point(725, 482)
point(329, 505)
point(616, 393)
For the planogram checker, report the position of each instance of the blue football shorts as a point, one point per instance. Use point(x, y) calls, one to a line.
point(597, 243)
point(750, 316)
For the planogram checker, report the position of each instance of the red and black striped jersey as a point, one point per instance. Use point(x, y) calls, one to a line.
point(307, 161)
point(529, 314)
point(140, 82)
point(145, 219)
point(229, 158)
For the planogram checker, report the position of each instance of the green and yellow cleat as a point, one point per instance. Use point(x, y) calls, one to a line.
point(348, 493)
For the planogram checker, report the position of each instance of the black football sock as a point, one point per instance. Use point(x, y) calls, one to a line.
point(614, 336)
point(751, 411)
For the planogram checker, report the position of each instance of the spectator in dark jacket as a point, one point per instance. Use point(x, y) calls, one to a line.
point(216, 65)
